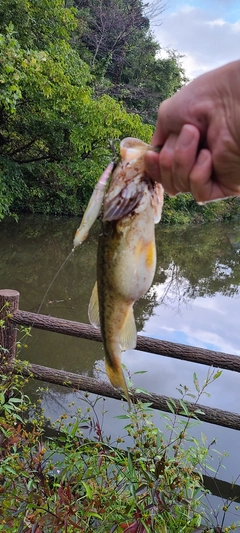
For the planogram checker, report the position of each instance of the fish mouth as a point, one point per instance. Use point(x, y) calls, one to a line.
point(132, 148)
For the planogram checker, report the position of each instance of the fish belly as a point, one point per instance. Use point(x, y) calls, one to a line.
point(134, 261)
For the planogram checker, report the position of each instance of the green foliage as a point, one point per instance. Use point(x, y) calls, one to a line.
point(37, 24)
point(69, 79)
point(148, 81)
point(65, 482)
point(182, 209)
point(124, 56)
point(54, 138)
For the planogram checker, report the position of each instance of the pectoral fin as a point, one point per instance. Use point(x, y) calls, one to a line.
point(93, 208)
point(93, 308)
point(128, 336)
point(123, 201)
point(157, 201)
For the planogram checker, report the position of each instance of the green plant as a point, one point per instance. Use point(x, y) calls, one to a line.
point(68, 483)
point(182, 209)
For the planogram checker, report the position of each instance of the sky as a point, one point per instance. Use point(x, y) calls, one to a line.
point(206, 32)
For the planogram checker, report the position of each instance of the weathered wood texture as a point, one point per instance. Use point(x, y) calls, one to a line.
point(84, 383)
point(145, 344)
point(9, 301)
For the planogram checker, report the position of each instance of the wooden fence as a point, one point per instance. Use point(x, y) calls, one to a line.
point(13, 317)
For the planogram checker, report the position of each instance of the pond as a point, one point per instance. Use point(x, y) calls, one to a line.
point(194, 300)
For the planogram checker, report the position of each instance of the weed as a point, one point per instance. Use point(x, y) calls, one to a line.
point(69, 483)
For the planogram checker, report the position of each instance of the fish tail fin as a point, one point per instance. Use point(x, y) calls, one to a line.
point(117, 378)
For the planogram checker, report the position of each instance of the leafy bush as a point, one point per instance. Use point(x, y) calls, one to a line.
point(68, 483)
point(182, 209)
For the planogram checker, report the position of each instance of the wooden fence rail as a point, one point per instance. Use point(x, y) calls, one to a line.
point(14, 317)
point(145, 344)
point(103, 388)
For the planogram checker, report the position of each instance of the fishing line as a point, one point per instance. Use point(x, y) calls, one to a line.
point(88, 219)
point(51, 284)
point(54, 278)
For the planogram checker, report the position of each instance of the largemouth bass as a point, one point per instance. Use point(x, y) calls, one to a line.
point(126, 259)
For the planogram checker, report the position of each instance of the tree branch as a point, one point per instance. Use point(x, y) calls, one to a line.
point(32, 160)
point(22, 148)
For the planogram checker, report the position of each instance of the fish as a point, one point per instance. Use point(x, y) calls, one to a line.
point(126, 257)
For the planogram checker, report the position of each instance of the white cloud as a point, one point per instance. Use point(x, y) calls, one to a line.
point(217, 22)
point(204, 322)
point(186, 8)
point(236, 27)
point(206, 41)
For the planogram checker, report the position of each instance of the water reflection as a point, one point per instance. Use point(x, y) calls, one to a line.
point(194, 300)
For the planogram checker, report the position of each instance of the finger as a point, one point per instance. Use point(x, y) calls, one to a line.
point(163, 129)
point(200, 178)
point(184, 157)
point(172, 115)
point(152, 168)
point(166, 158)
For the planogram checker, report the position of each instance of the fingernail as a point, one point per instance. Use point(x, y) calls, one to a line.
point(185, 137)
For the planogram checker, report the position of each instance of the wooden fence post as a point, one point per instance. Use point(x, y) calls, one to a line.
point(9, 302)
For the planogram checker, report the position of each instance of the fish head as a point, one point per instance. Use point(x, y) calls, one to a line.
point(129, 183)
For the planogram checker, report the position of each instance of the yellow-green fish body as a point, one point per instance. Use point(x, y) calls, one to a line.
point(126, 255)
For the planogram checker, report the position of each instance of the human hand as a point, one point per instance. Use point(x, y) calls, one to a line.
point(199, 131)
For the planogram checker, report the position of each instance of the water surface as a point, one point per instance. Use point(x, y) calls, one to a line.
point(194, 300)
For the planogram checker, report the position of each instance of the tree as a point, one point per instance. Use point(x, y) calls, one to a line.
point(123, 55)
point(54, 137)
point(110, 26)
point(147, 81)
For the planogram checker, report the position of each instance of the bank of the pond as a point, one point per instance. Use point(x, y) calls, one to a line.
point(182, 209)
